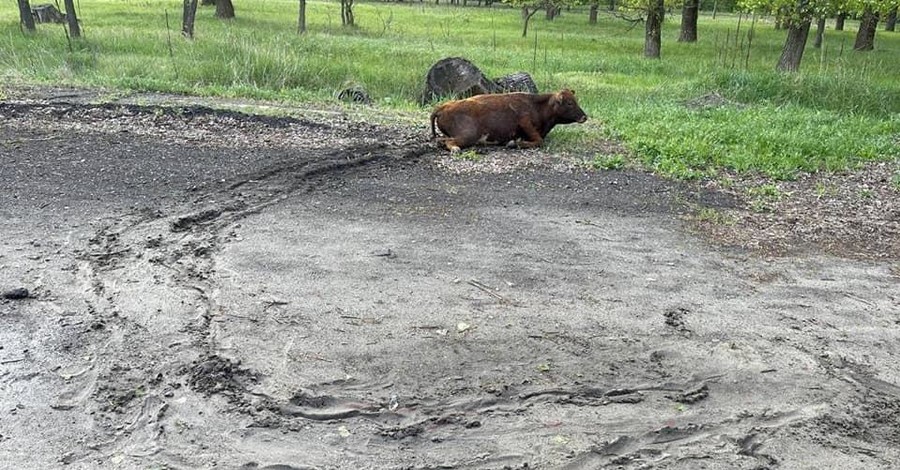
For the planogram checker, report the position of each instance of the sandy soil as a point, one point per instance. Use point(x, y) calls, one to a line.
point(211, 289)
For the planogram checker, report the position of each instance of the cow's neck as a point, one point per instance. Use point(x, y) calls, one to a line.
point(548, 118)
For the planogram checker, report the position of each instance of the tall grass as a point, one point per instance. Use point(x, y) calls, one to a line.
point(840, 110)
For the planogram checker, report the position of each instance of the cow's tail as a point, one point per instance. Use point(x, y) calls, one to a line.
point(434, 117)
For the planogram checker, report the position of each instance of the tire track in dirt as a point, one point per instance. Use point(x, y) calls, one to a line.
point(183, 246)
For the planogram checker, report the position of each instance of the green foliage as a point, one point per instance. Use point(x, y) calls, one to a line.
point(844, 91)
point(607, 162)
point(769, 192)
point(763, 198)
point(784, 139)
point(715, 217)
point(800, 10)
point(840, 110)
point(468, 155)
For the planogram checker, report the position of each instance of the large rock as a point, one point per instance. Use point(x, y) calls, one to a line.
point(519, 81)
point(455, 77)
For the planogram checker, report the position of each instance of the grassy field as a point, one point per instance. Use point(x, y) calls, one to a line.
point(842, 109)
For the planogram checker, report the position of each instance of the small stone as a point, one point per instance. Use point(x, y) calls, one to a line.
point(17, 294)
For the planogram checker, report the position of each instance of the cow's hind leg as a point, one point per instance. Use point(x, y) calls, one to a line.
point(461, 141)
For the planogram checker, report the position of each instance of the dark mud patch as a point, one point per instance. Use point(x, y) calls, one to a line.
point(217, 375)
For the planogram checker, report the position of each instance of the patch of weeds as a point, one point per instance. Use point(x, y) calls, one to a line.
point(81, 61)
point(764, 197)
point(715, 216)
point(866, 193)
point(895, 181)
point(823, 190)
point(607, 162)
point(726, 182)
point(766, 191)
point(761, 206)
point(468, 155)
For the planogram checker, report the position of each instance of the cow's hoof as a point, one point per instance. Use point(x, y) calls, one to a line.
point(454, 150)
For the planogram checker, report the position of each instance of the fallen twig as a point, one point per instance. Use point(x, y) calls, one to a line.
point(478, 284)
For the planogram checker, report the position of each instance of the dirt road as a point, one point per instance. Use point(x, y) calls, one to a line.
point(217, 290)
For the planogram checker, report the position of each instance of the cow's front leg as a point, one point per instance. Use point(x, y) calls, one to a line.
point(534, 137)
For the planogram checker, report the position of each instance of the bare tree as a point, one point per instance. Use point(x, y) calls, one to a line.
point(74, 28)
point(25, 15)
point(187, 19)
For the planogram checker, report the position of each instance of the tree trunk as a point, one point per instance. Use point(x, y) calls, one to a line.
point(204, 3)
point(301, 18)
point(612, 5)
point(552, 11)
point(839, 21)
point(890, 23)
point(347, 12)
point(224, 9)
point(689, 14)
point(865, 37)
point(592, 18)
point(187, 18)
point(653, 31)
point(25, 15)
point(74, 29)
point(820, 32)
point(792, 52)
point(526, 16)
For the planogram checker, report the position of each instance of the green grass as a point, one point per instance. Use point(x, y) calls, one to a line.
point(841, 110)
point(607, 162)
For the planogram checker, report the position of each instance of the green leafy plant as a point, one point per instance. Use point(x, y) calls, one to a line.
point(714, 216)
point(468, 155)
point(607, 162)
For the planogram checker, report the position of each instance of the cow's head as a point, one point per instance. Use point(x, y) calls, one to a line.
point(566, 108)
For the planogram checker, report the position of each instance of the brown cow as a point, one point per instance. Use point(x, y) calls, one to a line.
point(503, 118)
